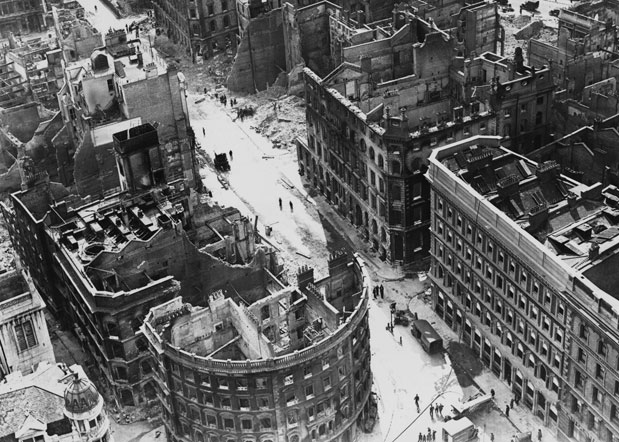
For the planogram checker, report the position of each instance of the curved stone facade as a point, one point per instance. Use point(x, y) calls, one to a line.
point(316, 393)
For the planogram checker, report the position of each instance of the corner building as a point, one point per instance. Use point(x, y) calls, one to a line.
point(291, 366)
point(522, 261)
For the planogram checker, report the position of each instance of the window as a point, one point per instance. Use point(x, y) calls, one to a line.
point(228, 424)
point(261, 383)
point(602, 349)
point(265, 423)
point(307, 371)
point(226, 21)
point(110, 85)
point(24, 333)
point(223, 384)
point(288, 380)
point(244, 403)
point(326, 382)
point(599, 371)
point(309, 391)
point(246, 424)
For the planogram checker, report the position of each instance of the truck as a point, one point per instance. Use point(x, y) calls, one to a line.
point(429, 339)
point(460, 430)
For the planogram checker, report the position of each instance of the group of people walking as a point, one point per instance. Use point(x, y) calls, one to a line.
point(379, 290)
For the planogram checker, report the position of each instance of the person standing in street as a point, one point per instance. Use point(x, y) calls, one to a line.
point(203, 131)
point(230, 153)
point(291, 207)
point(382, 291)
point(539, 435)
point(431, 411)
point(507, 410)
point(280, 204)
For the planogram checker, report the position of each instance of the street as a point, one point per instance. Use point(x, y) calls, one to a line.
point(306, 232)
point(259, 176)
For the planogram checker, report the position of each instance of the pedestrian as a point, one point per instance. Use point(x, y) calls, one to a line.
point(280, 204)
point(417, 400)
point(420, 437)
point(291, 209)
point(432, 411)
point(511, 403)
point(539, 435)
point(491, 437)
point(517, 399)
point(205, 91)
point(433, 435)
point(423, 439)
point(429, 434)
point(492, 392)
point(400, 340)
point(382, 291)
point(507, 410)
point(203, 132)
point(230, 155)
point(441, 409)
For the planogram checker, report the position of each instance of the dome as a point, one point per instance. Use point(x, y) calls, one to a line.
point(80, 396)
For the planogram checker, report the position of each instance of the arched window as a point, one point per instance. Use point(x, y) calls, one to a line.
point(371, 154)
point(381, 162)
point(374, 227)
point(226, 21)
point(383, 234)
point(396, 167)
point(212, 25)
point(362, 145)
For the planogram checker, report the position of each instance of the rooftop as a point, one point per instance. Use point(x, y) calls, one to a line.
point(39, 394)
point(577, 223)
point(286, 319)
point(12, 284)
point(109, 225)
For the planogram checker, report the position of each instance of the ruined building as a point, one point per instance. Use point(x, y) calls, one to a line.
point(204, 28)
point(587, 154)
point(22, 17)
point(24, 339)
point(101, 265)
point(373, 121)
point(281, 363)
point(119, 87)
point(522, 268)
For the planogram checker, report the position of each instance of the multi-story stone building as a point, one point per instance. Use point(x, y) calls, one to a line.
point(118, 87)
point(281, 364)
point(373, 121)
point(102, 265)
point(22, 17)
point(521, 260)
point(24, 339)
point(203, 27)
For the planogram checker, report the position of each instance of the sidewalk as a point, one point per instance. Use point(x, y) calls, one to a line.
point(492, 419)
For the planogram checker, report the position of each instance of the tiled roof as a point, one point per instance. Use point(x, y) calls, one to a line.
point(15, 406)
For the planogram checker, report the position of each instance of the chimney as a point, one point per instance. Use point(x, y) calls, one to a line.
point(538, 216)
point(547, 171)
point(508, 186)
point(594, 251)
point(519, 60)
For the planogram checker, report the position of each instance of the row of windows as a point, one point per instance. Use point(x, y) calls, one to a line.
point(474, 245)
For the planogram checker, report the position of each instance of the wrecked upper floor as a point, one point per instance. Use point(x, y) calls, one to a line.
point(280, 321)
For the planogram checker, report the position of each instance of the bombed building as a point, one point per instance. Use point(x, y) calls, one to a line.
point(281, 363)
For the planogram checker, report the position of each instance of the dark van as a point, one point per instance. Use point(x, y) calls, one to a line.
point(427, 336)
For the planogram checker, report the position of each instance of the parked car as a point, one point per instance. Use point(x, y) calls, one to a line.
point(554, 12)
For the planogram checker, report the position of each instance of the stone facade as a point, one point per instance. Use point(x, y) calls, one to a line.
point(541, 317)
point(292, 365)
